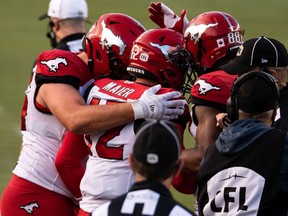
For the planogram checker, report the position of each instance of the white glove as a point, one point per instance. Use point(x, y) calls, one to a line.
point(162, 106)
point(164, 17)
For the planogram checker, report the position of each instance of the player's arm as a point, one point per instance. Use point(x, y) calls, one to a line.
point(207, 132)
point(192, 158)
point(185, 180)
point(67, 105)
point(69, 162)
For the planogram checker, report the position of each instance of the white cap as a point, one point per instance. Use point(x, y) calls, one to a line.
point(65, 9)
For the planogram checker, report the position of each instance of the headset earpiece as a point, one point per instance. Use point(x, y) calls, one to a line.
point(51, 34)
point(232, 105)
point(232, 102)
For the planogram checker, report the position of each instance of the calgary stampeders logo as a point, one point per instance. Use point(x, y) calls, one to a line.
point(163, 48)
point(53, 64)
point(195, 31)
point(205, 87)
point(109, 38)
point(29, 208)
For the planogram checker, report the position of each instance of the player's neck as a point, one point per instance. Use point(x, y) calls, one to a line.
point(145, 82)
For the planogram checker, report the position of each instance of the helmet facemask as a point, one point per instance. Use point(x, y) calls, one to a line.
point(182, 58)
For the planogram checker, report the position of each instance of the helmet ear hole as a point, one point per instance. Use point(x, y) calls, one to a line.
point(163, 79)
point(98, 55)
point(170, 73)
point(87, 47)
point(84, 43)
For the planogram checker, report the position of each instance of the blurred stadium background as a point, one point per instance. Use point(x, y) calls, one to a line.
point(22, 38)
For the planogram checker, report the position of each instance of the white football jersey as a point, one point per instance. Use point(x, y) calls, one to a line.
point(108, 173)
point(42, 132)
point(40, 144)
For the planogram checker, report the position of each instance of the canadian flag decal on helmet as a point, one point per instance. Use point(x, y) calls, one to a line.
point(109, 38)
point(196, 31)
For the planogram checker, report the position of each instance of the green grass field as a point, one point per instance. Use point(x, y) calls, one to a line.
point(22, 38)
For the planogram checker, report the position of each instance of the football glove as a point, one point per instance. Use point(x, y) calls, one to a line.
point(164, 17)
point(163, 106)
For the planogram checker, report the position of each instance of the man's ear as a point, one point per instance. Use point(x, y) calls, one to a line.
point(279, 76)
point(56, 24)
point(274, 73)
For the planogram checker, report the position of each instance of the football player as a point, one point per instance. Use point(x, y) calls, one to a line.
point(157, 57)
point(212, 38)
point(55, 104)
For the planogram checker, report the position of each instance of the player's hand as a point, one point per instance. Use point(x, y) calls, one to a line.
point(222, 120)
point(163, 106)
point(164, 17)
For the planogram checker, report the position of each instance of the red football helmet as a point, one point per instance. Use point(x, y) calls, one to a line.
point(108, 44)
point(159, 55)
point(212, 36)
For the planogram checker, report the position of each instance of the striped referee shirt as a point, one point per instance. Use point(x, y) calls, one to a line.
point(144, 198)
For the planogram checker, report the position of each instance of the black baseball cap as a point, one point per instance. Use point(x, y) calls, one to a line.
point(157, 143)
point(257, 52)
point(257, 93)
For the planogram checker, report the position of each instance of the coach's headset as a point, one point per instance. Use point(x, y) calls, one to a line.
point(232, 103)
